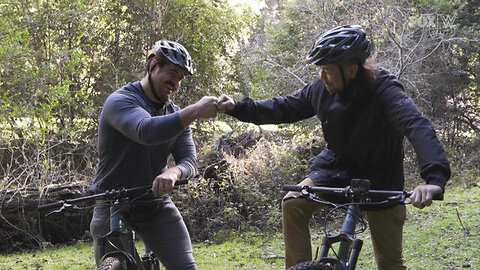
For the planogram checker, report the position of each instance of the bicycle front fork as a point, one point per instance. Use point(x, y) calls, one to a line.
point(349, 249)
point(149, 261)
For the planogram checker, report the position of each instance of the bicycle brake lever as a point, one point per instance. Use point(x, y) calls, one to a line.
point(304, 194)
point(402, 198)
point(64, 207)
point(53, 212)
point(309, 196)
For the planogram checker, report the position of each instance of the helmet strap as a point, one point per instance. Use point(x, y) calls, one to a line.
point(150, 82)
point(342, 73)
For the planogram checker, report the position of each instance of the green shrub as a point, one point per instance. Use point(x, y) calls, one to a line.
point(241, 181)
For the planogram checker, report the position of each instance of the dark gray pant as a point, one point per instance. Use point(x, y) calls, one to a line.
point(161, 228)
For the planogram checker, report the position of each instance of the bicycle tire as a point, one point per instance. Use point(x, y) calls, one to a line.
point(312, 265)
point(117, 262)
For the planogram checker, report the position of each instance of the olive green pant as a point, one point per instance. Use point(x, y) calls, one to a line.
point(386, 229)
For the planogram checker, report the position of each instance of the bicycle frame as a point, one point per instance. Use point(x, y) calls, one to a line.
point(120, 240)
point(349, 248)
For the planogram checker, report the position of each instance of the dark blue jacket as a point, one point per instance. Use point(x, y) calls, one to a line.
point(135, 138)
point(364, 131)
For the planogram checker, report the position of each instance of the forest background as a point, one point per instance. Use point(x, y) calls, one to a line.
point(60, 59)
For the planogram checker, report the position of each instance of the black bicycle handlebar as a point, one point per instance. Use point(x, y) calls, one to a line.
point(108, 194)
point(350, 192)
point(345, 191)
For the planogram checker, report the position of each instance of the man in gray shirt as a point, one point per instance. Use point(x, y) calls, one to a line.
point(139, 128)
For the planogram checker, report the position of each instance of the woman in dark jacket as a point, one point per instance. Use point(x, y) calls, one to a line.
point(365, 115)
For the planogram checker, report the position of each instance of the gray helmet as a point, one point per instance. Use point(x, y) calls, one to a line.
point(174, 52)
point(339, 45)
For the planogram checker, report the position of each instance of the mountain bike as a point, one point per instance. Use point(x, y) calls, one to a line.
point(117, 247)
point(359, 195)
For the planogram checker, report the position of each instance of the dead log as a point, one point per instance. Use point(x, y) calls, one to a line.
point(22, 226)
point(237, 145)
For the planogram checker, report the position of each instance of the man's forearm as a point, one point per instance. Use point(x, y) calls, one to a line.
point(203, 109)
point(188, 115)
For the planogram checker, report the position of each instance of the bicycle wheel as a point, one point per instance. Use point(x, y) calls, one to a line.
point(117, 262)
point(311, 265)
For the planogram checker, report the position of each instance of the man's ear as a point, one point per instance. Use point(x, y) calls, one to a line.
point(351, 70)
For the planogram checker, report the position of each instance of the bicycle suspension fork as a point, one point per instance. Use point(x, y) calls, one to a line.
point(350, 247)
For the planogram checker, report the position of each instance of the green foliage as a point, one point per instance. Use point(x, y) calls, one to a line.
point(245, 251)
point(76, 53)
point(78, 257)
point(59, 61)
point(242, 179)
point(211, 31)
point(250, 251)
point(443, 236)
point(432, 46)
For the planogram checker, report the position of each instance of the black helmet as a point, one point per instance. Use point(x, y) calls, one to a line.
point(173, 51)
point(339, 45)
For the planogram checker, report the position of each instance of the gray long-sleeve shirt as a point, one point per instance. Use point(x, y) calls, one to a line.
point(136, 137)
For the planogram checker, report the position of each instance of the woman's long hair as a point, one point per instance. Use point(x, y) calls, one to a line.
point(366, 76)
point(361, 88)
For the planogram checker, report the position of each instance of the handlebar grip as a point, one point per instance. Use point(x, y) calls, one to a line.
point(292, 188)
point(438, 197)
point(50, 205)
point(180, 182)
